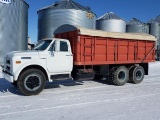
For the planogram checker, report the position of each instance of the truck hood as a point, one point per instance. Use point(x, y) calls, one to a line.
point(34, 54)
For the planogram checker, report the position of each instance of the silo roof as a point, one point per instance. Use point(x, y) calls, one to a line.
point(153, 21)
point(135, 21)
point(158, 16)
point(67, 4)
point(109, 16)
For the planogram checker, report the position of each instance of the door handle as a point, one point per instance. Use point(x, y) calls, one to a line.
point(69, 55)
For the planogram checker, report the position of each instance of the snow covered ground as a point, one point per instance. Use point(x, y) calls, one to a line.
point(85, 100)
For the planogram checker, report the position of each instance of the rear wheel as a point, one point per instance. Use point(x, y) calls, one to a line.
point(136, 74)
point(76, 74)
point(31, 82)
point(97, 77)
point(120, 76)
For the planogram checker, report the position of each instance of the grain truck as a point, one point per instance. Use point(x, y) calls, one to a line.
point(75, 51)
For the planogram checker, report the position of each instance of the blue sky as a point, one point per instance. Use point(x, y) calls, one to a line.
point(143, 10)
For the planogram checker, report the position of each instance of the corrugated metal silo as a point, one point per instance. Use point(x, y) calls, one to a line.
point(154, 28)
point(13, 26)
point(136, 26)
point(111, 22)
point(63, 12)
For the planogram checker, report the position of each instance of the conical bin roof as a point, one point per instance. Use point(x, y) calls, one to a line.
point(67, 4)
point(109, 15)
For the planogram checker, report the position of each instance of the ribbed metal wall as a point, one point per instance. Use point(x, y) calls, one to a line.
point(154, 28)
point(137, 29)
point(13, 27)
point(136, 26)
point(67, 12)
point(111, 23)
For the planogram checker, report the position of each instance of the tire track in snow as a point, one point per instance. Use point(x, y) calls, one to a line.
point(78, 104)
point(128, 85)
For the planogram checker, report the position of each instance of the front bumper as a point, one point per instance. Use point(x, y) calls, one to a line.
point(7, 76)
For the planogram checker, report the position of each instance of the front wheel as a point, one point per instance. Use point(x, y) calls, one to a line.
point(14, 83)
point(31, 82)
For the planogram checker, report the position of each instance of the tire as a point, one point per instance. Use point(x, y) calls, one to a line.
point(14, 83)
point(120, 76)
point(136, 74)
point(31, 82)
point(97, 77)
point(76, 74)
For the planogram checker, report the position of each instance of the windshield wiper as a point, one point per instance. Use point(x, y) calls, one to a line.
point(36, 49)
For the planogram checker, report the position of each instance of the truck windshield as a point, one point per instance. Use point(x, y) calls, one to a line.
point(42, 45)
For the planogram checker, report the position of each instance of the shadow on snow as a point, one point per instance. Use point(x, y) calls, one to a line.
point(7, 87)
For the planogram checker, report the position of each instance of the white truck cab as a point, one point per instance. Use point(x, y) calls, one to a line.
point(29, 70)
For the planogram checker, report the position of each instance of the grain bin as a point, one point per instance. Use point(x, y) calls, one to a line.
point(63, 12)
point(154, 28)
point(13, 26)
point(111, 22)
point(136, 26)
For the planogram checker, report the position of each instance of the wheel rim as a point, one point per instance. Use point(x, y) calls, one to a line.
point(32, 82)
point(138, 75)
point(121, 75)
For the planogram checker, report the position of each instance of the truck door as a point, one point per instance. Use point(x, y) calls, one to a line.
point(60, 60)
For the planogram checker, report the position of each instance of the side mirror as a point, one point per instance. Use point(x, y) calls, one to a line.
point(32, 46)
point(52, 53)
point(52, 49)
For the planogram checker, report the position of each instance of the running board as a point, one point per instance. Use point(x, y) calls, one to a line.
point(84, 71)
point(60, 77)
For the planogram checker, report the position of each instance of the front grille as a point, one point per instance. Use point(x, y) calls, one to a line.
point(8, 68)
point(7, 65)
point(8, 61)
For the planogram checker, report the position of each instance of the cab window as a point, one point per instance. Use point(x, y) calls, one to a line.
point(63, 46)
